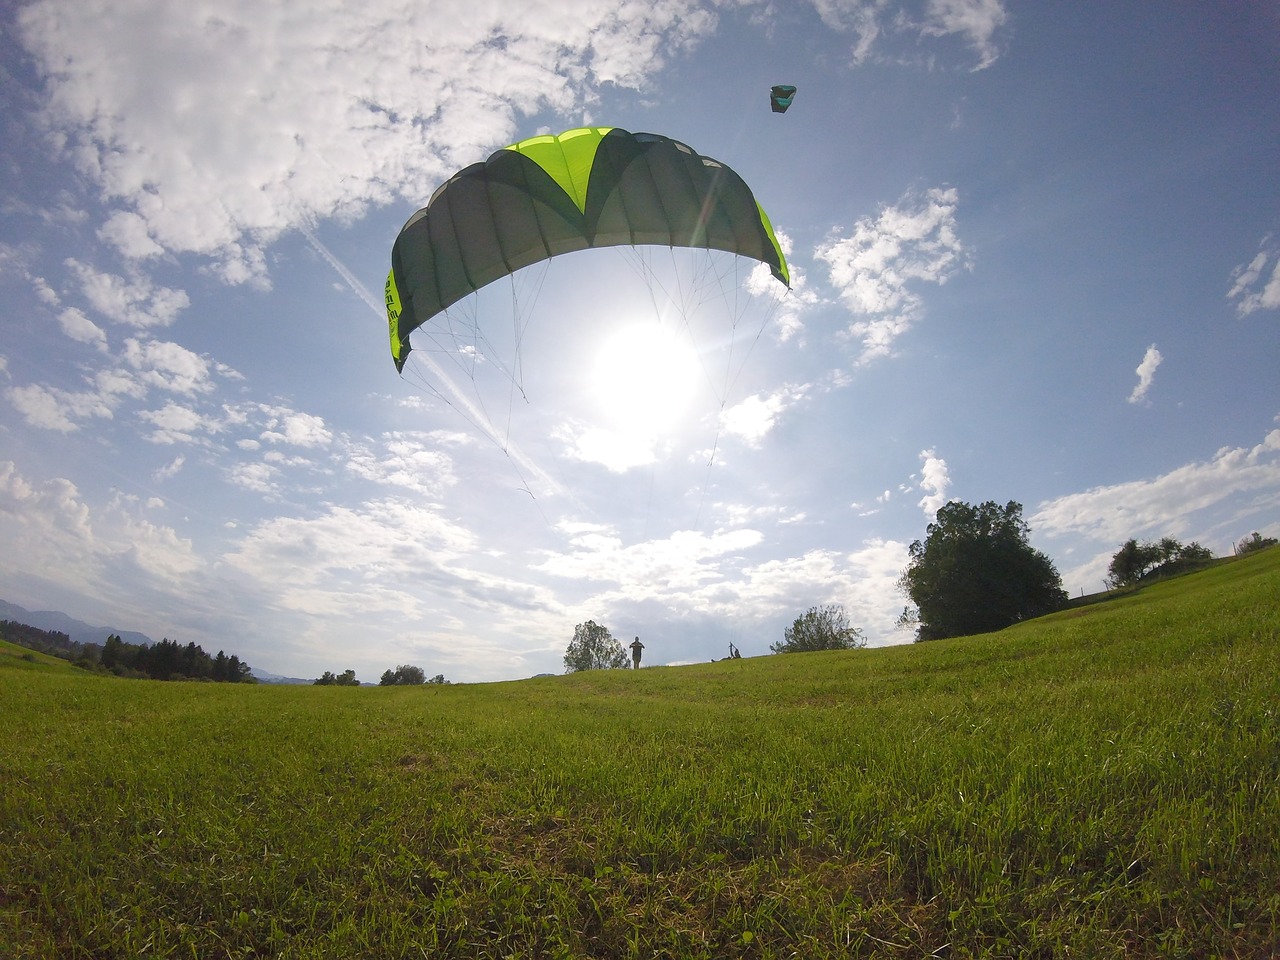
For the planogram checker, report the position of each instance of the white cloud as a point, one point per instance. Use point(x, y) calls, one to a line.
point(977, 21)
point(51, 534)
point(50, 408)
point(690, 574)
point(213, 130)
point(753, 418)
point(168, 366)
point(294, 428)
point(1165, 505)
point(255, 477)
point(935, 481)
point(875, 23)
point(1254, 289)
point(676, 562)
point(134, 302)
point(172, 469)
point(1146, 372)
point(79, 327)
point(876, 268)
point(127, 232)
point(786, 319)
point(404, 460)
point(617, 450)
point(173, 424)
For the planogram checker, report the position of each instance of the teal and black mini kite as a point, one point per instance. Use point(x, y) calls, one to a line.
point(548, 195)
point(780, 97)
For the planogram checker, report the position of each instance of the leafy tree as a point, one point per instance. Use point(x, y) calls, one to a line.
point(345, 679)
point(975, 572)
point(1255, 542)
point(593, 648)
point(820, 628)
point(404, 675)
point(112, 651)
point(438, 678)
point(1131, 562)
point(1135, 560)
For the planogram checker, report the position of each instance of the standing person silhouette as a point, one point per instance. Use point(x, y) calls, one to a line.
point(636, 647)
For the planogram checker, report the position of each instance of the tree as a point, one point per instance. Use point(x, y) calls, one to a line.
point(975, 572)
point(345, 679)
point(820, 628)
point(404, 675)
point(1134, 560)
point(112, 651)
point(1255, 542)
point(593, 648)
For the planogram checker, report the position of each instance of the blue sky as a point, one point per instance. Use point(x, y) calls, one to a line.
point(1035, 254)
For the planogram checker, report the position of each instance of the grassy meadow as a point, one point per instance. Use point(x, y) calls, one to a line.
point(1104, 782)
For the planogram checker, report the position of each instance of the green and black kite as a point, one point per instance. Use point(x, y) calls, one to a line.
point(548, 195)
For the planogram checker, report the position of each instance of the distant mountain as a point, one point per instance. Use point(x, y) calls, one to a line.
point(264, 677)
point(77, 630)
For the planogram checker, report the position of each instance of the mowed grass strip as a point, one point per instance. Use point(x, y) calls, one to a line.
point(1104, 782)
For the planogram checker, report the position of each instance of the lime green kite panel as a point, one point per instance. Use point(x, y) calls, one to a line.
point(567, 158)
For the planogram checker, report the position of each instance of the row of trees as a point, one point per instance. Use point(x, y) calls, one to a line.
point(52, 642)
point(405, 675)
point(1254, 541)
point(169, 660)
point(166, 660)
point(347, 678)
point(1136, 561)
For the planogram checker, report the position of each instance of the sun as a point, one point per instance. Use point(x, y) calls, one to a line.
point(642, 379)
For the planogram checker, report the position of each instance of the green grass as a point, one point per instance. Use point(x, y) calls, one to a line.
point(14, 657)
point(1104, 782)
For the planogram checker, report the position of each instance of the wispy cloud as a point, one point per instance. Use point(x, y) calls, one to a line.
point(977, 21)
point(877, 267)
point(875, 24)
point(263, 97)
point(753, 418)
point(1146, 372)
point(1166, 504)
point(1256, 284)
point(134, 301)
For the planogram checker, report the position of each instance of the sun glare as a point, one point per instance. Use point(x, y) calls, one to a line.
point(643, 379)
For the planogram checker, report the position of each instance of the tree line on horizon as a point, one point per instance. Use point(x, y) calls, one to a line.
point(166, 660)
point(405, 675)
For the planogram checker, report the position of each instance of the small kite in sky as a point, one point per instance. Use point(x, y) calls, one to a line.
point(780, 97)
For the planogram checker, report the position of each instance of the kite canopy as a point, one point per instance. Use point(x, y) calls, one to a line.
point(780, 97)
point(589, 187)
